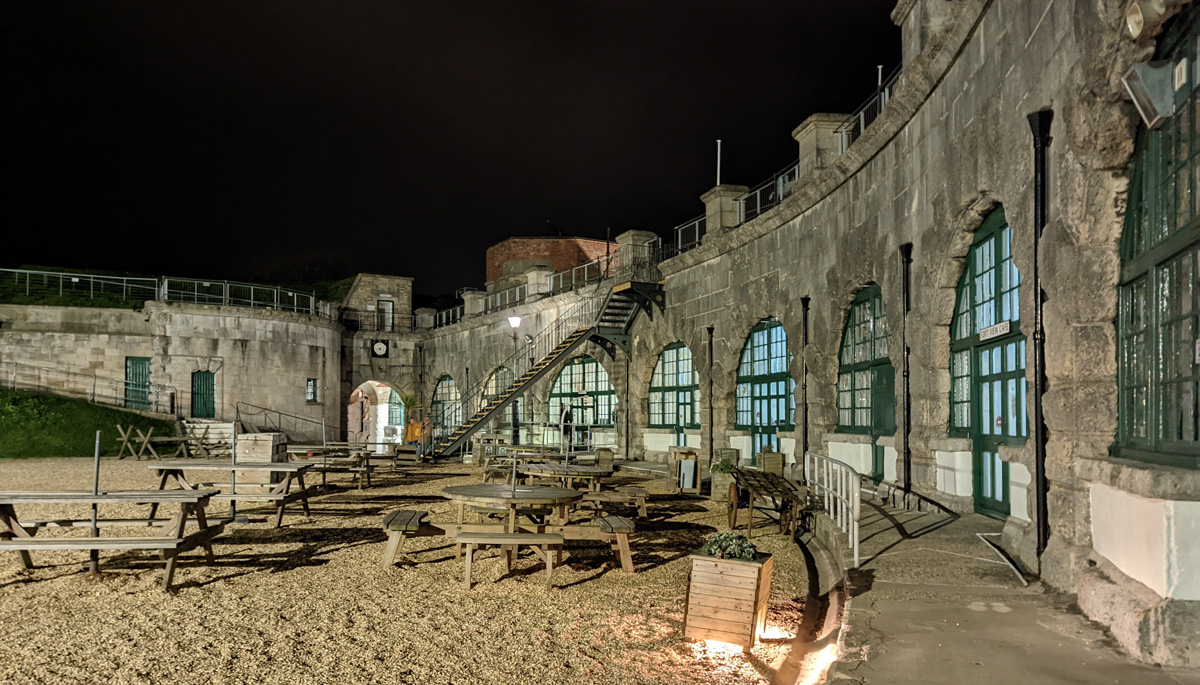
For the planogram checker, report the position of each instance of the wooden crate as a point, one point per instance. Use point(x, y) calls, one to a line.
point(727, 599)
point(261, 448)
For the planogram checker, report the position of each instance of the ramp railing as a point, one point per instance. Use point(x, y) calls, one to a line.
point(838, 487)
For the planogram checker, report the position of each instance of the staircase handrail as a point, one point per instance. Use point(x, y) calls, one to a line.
point(244, 409)
point(838, 487)
point(99, 390)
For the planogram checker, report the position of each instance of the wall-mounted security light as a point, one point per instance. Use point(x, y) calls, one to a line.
point(1141, 14)
point(514, 321)
point(1151, 85)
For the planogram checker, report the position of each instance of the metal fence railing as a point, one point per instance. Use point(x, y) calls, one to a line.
point(769, 193)
point(448, 316)
point(382, 322)
point(20, 286)
point(689, 234)
point(837, 486)
point(111, 392)
point(505, 298)
point(298, 428)
point(868, 112)
point(234, 294)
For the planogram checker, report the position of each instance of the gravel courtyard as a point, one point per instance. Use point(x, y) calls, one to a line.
point(310, 603)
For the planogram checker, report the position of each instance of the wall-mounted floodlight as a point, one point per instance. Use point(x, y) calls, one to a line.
point(1150, 84)
point(1143, 13)
point(514, 321)
point(529, 339)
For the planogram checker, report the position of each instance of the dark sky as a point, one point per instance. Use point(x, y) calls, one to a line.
point(296, 141)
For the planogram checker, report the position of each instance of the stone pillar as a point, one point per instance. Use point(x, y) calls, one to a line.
point(538, 282)
point(425, 317)
point(473, 302)
point(720, 207)
point(818, 140)
point(633, 239)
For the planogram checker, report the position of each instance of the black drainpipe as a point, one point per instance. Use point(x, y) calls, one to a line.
point(906, 297)
point(804, 305)
point(711, 448)
point(1039, 124)
point(627, 407)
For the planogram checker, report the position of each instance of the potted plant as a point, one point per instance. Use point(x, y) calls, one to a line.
point(721, 475)
point(728, 589)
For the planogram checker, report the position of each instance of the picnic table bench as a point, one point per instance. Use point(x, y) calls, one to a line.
point(171, 538)
point(629, 494)
point(146, 441)
point(567, 474)
point(279, 495)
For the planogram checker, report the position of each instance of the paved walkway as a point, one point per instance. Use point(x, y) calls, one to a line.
point(933, 603)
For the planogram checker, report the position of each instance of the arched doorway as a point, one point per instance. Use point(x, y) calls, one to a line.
point(987, 362)
point(766, 400)
point(376, 415)
point(511, 418)
point(675, 393)
point(445, 409)
point(866, 386)
point(581, 400)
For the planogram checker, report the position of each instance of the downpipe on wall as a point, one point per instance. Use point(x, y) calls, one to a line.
point(906, 299)
point(711, 449)
point(1039, 125)
point(805, 303)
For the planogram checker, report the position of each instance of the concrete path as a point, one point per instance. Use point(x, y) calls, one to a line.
point(932, 603)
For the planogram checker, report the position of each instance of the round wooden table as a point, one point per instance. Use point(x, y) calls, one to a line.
point(500, 494)
point(568, 473)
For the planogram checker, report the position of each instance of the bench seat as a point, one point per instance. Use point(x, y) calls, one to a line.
point(30, 544)
point(541, 541)
point(620, 497)
point(400, 524)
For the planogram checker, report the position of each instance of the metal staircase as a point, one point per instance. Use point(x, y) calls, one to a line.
point(604, 316)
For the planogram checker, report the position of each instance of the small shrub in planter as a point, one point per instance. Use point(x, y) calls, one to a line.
point(721, 475)
point(728, 590)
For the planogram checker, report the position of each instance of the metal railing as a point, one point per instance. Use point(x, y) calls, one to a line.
point(297, 427)
point(580, 315)
point(29, 287)
point(52, 287)
point(504, 299)
point(768, 194)
point(234, 294)
point(383, 322)
point(448, 316)
point(866, 113)
point(689, 234)
point(838, 487)
point(111, 392)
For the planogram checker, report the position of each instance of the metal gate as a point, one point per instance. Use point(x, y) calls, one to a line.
point(204, 395)
point(137, 383)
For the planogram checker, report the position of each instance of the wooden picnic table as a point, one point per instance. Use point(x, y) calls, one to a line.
point(501, 495)
point(281, 494)
point(778, 494)
point(170, 540)
point(568, 473)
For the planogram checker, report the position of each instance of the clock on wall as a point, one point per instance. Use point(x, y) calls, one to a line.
point(379, 348)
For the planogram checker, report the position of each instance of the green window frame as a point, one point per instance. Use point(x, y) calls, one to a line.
point(674, 390)
point(445, 409)
point(864, 346)
point(500, 380)
point(310, 391)
point(583, 385)
point(988, 296)
point(1158, 318)
point(766, 398)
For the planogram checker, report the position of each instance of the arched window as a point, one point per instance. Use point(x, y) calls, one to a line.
point(766, 402)
point(987, 361)
point(675, 392)
point(865, 398)
point(500, 380)
point(445, 410)
point(1158, 329)
point(584, 388)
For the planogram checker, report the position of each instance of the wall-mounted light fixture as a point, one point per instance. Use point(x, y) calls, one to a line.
point(1143, 18)
point(1150, 84)
point(514, 321)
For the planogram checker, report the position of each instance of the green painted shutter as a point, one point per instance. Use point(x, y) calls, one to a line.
point(204, 395)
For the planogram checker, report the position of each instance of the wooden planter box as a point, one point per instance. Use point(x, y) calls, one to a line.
point(720, 486)
point(727, 599)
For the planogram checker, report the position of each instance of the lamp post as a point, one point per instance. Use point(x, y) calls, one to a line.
point(514, 322)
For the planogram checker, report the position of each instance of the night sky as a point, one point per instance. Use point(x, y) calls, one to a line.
point(290, 142)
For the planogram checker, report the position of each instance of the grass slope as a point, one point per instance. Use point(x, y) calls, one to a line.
point(36, 425)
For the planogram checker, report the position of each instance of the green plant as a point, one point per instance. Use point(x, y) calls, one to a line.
point(723, 466)
point(729, 545)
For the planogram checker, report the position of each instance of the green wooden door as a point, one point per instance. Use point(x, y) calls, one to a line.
point(204, 395)
point(137, 383)
point(1000, 419)
point(883, 414)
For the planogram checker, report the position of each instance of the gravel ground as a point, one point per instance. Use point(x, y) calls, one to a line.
point(309, 603)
